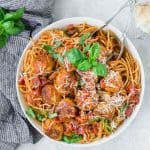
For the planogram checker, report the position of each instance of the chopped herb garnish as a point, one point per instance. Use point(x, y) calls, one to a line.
point(72, 139)
point(52, 115)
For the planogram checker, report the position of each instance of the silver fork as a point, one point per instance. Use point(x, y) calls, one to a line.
point(127, 3)
point(122, 40)
point(112, 17)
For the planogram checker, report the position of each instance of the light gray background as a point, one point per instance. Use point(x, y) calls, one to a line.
point(137, 135)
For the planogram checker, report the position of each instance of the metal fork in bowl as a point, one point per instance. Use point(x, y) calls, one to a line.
point(127, 3)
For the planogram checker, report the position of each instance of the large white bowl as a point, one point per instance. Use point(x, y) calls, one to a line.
point(76, 20)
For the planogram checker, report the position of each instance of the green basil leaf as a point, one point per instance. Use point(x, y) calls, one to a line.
point(52, 52)
point(84, 65)
point(8, 25)
point(107, 125)
point(73, 139)
point(123, 108)
point(20, 24)
point(75, 56)
point(30, 112)
point(2, 14)
point(86, 48)
point(1, 29)
point(3, 40)
point(100, 69)
point(15, 15)
point(52, 115)
point(40, 117)
point(14, 31)
point(94, 51)
point(83, 38)
point(96, 119)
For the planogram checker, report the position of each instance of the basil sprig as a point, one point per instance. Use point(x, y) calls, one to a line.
point(52, 52)
point(83, 63)
point(10, 24)
point(40, 115)
point(72, 139)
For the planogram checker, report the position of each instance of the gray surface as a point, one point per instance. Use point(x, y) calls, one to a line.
point(137, 135)
point(14, 128)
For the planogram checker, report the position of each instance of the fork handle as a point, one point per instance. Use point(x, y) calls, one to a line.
point(115, 14)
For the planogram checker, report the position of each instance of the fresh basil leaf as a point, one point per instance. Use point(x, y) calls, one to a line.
point(52, 52)
point(96, 119)
point(30, 112)
point(107, 126)
point(52, 115)
point(8, 25)
point(123, 108)
point(20, 24)
point(94, 51)
point(2, 14)
point(14, 31)
point(14, 15)
point(39, 117)
point(73, 139)
point(75, 56)
point(84, 65)
point(100, 69)
point(1, 29)
point(83, 38)
point(3, 40)
point(86, 48)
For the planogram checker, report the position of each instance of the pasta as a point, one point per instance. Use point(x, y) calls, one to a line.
point(74, 85)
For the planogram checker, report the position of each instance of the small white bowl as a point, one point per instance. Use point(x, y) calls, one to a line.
point(76, 20)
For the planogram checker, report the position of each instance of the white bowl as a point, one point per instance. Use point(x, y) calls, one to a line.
point(76, 20)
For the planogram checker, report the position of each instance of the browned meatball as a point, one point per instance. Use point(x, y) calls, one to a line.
point(104, 109)
point(43, 63)
point(86, 100)
point(65, 82)
point(66, 110)
point(50, 95)
point(53, 128)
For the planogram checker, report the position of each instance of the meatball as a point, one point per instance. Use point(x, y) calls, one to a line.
point(105, 110)
point(86, 100)
point(66, 110)
point(65, 82)
point(43, 63)
point(53, 128)
point(112, 82)
point(50, 94)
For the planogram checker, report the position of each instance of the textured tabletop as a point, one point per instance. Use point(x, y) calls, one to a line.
point(137, 135)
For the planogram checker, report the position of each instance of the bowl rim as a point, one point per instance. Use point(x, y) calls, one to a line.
point(96, 22)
